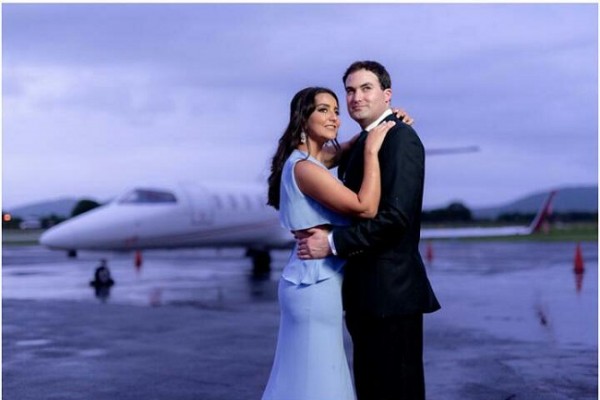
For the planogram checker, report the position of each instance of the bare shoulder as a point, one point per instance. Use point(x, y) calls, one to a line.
point(306, 170)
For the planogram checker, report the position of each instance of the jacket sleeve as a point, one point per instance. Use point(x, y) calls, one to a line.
point(402, 162)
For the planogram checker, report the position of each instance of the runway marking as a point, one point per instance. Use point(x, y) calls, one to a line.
point(33, 342)
point(92, 352)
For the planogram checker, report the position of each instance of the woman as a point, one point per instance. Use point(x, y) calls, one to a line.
point(310, 362)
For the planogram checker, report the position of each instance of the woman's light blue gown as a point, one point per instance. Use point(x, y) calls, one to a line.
point(310, 362)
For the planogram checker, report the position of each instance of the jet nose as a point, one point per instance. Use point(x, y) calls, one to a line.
point(58, 237)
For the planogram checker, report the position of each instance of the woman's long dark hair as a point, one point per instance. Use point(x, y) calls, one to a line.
point(301, 107)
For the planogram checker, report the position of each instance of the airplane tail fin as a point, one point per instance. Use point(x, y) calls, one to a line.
point(543, 213)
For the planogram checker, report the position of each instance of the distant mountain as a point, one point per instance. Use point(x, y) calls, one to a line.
point(60, 207)
point(568, 199)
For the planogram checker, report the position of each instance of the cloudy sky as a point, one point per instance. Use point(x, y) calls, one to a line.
point(100, 98)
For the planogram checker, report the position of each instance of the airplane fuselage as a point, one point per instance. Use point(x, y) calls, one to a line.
point(207, 216)
point(188, 216)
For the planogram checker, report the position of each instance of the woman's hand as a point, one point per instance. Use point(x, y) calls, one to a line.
point(376, 136)
point(331, 155)
point(403, 115)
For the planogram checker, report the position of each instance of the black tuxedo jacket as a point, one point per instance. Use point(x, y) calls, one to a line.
point(385, 274)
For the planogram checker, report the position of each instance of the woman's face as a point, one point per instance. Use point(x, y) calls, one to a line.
point(324, 123)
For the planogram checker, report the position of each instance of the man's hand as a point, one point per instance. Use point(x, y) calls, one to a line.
point(313, 243)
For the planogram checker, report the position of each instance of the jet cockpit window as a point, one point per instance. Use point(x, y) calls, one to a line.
point(148, 196)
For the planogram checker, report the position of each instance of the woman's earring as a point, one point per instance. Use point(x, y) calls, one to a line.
point(302, 137)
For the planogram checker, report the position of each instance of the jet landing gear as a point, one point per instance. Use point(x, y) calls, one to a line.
point(261, 263)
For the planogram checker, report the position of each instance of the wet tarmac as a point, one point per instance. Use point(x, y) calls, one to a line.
point(516, 323)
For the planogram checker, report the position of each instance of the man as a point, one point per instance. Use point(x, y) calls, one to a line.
point(386, 289)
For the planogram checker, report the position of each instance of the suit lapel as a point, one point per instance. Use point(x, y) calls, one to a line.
point(354, 164)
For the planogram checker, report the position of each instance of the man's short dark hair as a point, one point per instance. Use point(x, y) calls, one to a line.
point(373, 66)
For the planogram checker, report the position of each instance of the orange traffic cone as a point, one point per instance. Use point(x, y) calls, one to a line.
point(138, 260)
point(429, 254)
point(578, 262)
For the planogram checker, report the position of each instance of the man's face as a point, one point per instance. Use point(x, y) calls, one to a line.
point(365, 98)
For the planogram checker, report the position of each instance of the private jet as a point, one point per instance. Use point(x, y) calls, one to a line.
point(213, 216)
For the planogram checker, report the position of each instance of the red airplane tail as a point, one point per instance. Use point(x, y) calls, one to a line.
point(544, 212)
